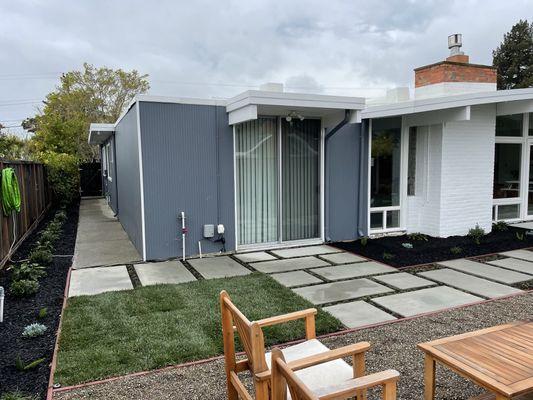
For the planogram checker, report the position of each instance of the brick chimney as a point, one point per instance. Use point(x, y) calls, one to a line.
point(455, 75)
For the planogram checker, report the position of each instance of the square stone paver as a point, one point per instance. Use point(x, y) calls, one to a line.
point(170, 272)
point(403, 281)
point(470, 283)
point(295, 278)
point(486, 271)
point(522, 254)
point(425, 300)
point(353, 270)
point(254, 257)
point(288, 264)
point(97, 280)
point(358, 313)
point(218, 267)
point(338, 291)
point(306, 251)
point(342, 258)
point(515, 264)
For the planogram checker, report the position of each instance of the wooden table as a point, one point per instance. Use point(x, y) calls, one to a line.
point(500, 359)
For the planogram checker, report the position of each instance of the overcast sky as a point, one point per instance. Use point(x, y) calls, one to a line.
point(220, 48)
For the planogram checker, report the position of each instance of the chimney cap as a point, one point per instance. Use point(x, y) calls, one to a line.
point(455, 42)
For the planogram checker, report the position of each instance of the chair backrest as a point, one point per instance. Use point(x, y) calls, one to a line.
point(283, 377)
point(250, 335)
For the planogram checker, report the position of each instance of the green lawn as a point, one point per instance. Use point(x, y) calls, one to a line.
point(121, 332)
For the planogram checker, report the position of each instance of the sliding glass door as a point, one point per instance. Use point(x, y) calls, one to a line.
point(278, 180)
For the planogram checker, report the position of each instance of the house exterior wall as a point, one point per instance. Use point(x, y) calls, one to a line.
point(188, 163)
point(345, 177)
point(127, 178)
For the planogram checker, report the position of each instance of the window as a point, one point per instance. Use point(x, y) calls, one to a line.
point(509, 125)
point(530, 130)
point(411, 162)
point(507, 160)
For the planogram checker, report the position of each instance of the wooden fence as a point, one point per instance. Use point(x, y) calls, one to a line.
point(35, 198)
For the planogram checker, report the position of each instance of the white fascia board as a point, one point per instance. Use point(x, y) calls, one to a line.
point(243, 114)
point(514, 107)
point(439, 103)
point(432, 117)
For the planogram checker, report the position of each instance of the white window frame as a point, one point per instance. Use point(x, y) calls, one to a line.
point(108, 156)
point(522, 200)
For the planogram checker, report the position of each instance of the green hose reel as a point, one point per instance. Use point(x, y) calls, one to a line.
point(10, 191)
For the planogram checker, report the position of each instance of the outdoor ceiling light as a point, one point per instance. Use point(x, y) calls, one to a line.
point(294, 114)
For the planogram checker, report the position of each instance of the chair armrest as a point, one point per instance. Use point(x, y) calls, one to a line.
point(350, 388)
point(330, 355)
point(279, 319)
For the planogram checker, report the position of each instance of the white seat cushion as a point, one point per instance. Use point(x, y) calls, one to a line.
point(318, 376)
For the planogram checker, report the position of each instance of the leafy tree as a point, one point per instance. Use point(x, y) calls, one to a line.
point(90, 95)
point(12, 147)
point(514, 57)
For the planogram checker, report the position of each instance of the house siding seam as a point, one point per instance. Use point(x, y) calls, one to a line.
point(187, 166)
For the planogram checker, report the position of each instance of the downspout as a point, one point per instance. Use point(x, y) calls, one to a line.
point(362, 178)
point(334, 130)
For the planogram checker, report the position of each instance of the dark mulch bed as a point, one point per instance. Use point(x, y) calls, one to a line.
point(435, 249)
point(21, 312)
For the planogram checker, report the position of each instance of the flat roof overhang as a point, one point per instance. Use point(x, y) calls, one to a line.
point(253, 103)
point(99, 133)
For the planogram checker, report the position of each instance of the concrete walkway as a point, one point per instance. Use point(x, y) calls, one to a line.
point(101, 240)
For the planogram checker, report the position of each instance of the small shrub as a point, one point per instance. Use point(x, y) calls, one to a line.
point(364, 241)
point(61, 216)
point(43, 312)
point(44, 245)
point(500, 226)
point(388, 256)
point(33, 330)
point(27, 271)
point(417, 236)
point(520, 235)
point(63, 175)
point(48, 236)
point(456, 250)
point(16, 395)
point(476, 234)
point(24, 288)
point(22, 366)
point(407, 245)
point(41, 256)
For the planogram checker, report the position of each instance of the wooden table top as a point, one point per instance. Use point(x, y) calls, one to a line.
point(498, 358)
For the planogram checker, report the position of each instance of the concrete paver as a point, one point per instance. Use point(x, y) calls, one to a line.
point(255, 256)
point(295, 278)
point(403, 281)
point(97, 280)
point(485, 271)
point(353, 270)
point(306, 251)
point(515, 264)
point(358, 313)
point(218, 267)
point(288, 264)
point(425, 300)
point(167, 272)
point(342, 258)
point(522, 254)
point(469, 283)
point(338, 291)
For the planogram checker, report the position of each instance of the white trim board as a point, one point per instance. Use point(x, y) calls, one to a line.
point(141, 180)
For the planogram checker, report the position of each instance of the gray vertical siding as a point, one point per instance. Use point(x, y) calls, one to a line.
point(345, 181)
point(187, 155)
point(127, 178)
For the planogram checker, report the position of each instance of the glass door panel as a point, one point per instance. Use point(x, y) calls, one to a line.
point(530, 184)
point(300, 199)
point(256, 162)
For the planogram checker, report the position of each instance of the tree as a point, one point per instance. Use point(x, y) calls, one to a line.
point(12, 147)
point(514, 57)
point(90, 95)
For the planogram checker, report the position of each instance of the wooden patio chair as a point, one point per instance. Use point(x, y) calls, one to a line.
point(258, 361)
point(284, 375)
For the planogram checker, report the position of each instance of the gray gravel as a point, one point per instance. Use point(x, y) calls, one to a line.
point(394, 346)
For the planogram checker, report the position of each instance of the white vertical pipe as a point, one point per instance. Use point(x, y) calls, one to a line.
point(183, 235)
point(200, 248)
point(1, 304)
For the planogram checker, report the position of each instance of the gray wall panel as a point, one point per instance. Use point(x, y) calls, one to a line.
point(188, 166)
point(343, 184)
point(127, 177)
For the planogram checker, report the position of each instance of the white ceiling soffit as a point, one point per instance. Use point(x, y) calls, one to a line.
point(432, 117)
point(99, 133)
point(514, 107)
point(248, 105)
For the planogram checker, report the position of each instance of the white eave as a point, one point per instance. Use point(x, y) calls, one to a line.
point(99, 133)
point(507, 101)
point(252, 103)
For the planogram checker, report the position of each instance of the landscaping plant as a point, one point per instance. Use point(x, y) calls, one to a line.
point(16, 395)
point(22, 366)
point(364, 241)
point(43, 312)
point(40, 255)
point(417, 236)
point(455, 250)
point(27, 271)
point(476, 234)
point(520, 236)
point(407, 245)
point(388, 256)
point(33, 330)
point(24, 288)
point(500, 226)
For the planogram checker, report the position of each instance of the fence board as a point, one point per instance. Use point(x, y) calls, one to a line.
point(35, 199)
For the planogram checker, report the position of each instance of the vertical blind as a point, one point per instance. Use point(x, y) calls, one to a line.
point(256, 147)
point(301, 179)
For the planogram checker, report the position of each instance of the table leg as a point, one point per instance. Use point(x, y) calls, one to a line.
point(429, 377)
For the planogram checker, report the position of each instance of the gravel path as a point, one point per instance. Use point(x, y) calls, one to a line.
point(394, 346)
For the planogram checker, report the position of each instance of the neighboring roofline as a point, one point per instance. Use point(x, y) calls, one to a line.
point(446, 102)
point(454, 63)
